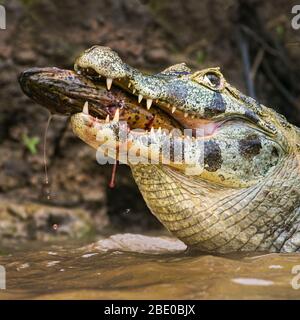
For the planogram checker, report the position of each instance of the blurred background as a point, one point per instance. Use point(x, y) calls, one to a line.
point(252, 41)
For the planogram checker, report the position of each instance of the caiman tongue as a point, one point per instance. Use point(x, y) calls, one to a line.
point(64, 92)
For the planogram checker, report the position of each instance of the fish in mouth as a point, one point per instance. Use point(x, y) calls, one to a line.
point(246, 195)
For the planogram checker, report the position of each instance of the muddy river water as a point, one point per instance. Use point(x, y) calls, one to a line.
point(128, 266)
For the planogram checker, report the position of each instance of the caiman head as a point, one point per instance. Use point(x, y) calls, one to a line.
point(218, 169)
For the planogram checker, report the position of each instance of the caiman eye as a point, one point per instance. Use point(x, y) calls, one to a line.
point(212, 79)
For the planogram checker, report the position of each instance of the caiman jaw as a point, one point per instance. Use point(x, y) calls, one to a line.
point(200, 100)
point(104, 65)
point(185, 120)
point(114, 138)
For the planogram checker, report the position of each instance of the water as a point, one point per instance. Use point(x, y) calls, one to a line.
point(130, 266)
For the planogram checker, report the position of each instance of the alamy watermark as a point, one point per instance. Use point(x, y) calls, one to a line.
point(295, 283)
point(2, 18)
point(2, 278)
point(137, 146)
point(296, 19)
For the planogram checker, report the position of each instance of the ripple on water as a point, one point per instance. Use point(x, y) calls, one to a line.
point(128, 266)
point(252, 282)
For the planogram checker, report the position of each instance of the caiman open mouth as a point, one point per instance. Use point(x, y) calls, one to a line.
point(184, 119)
point(200, 100)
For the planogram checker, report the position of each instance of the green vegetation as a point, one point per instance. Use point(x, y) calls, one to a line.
point(30, 143)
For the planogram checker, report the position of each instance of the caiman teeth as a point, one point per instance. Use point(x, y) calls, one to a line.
point(173, 109)
point(109, 83)
point(117, 116)
point(107, 119)
point(186, 115)
point(85, 109)
point(140, 98)
point(149, 103)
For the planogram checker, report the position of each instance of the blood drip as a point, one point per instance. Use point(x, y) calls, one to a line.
point(112, 182)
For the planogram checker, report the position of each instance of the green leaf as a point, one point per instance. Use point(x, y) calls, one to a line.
point(30, 143)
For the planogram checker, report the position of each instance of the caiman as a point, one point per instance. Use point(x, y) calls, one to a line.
point(247, 195)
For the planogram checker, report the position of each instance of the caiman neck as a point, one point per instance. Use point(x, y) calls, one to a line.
point(263, 217)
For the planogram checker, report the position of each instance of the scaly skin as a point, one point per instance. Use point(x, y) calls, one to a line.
point(247, 196)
